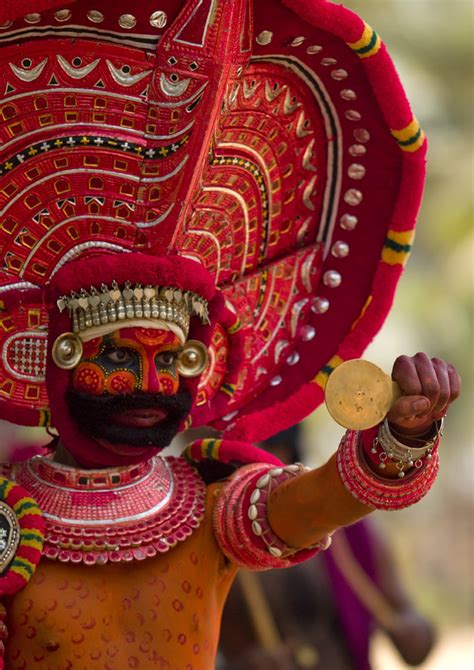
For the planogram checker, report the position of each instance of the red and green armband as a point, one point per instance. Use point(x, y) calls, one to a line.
point(21, 537)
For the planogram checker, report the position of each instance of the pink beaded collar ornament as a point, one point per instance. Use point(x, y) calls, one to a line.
point(270, 174)
point(115, 514)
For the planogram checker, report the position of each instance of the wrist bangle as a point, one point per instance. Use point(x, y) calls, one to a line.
point(375, 490)
point(431, 435)
point(399, 453)
point(257, 511)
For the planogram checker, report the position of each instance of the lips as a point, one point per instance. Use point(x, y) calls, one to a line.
point(140, 418)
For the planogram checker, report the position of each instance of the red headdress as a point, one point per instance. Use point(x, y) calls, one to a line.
point(266, 144)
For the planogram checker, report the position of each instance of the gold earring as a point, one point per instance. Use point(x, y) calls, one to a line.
point(67, 351)
point(193, 359)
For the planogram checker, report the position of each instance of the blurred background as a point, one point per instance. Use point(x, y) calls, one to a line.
point(431, 42)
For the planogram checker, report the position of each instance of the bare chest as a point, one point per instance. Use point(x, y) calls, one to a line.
point(159, 613)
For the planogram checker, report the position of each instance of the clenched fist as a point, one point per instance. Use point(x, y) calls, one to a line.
point(429, 386)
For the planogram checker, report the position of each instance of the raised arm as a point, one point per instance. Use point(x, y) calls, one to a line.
point(303, 509)
point(273, 516)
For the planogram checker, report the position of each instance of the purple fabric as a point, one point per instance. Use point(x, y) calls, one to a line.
point(356, 620)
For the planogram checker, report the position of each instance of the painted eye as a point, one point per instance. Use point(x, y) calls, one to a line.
point(119, 356)
point(166, 358)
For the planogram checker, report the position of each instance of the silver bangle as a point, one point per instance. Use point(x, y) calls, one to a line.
point(400, 453)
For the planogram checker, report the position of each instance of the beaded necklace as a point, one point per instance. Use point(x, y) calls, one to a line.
point(114, 514)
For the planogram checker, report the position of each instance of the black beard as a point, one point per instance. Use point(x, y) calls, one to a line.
point(94, 415)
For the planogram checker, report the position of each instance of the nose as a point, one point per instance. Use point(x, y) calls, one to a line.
point(156, 381)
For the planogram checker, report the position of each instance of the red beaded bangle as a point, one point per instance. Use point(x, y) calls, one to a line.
point(240, 520)
point(375, 491)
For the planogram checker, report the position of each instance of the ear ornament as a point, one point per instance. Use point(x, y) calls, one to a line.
point(67, 351)
point(193, 359)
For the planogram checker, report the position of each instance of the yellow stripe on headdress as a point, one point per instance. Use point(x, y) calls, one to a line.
point(323, 375)
point(368, 45)
point(229, 389)
point(236, 326)
point(363, 311)
point(410, 138)
point(397, 246)
point(44, 418)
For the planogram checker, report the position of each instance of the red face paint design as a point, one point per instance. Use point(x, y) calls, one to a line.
point(128, 360)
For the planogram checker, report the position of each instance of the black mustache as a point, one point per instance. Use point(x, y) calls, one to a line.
point(113, 404)
point(93, 414)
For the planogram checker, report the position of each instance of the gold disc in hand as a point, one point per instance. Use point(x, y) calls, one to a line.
point(359, 394)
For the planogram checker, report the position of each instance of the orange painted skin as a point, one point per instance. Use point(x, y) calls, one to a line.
point(162, 613)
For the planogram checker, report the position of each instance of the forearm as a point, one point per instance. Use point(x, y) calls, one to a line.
point(303, 510)
point(355, 481)
point(269, 516)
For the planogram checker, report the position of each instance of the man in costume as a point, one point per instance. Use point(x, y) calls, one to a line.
point(205, 208)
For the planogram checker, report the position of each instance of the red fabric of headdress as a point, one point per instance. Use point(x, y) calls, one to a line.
point(280, 156)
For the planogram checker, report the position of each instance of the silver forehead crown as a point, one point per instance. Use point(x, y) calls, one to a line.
point(103, 306)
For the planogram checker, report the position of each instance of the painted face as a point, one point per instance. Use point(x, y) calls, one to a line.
point(126, 389)
point(129, 360)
